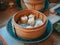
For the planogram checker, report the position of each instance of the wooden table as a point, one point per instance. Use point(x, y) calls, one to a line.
point(54, 38)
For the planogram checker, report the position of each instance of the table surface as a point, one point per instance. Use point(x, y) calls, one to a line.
point(54, 38)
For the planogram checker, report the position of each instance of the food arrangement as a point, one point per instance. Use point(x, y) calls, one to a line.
point(30, 21)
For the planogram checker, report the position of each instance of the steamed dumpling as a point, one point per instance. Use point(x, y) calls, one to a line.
point(31, 21)
point(38, 23)
point(31, 16)
point(24, 19)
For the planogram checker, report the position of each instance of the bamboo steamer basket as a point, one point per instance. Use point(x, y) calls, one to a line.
point(29, 33)
point(35, 7)
point(34, 1)
point(34, 4)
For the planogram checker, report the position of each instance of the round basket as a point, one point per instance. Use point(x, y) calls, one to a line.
point(34, 1)
point(29, 33)
point(34, 4)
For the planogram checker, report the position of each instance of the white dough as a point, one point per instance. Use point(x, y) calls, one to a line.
point(38, 23)
point(31, 21)
point(31, 16)
point(24, 19)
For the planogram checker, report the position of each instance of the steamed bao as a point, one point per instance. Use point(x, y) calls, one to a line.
point(30, 21)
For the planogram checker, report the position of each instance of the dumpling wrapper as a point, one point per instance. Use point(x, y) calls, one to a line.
point(38, 22)
point(24, 19)
point(31, 21)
